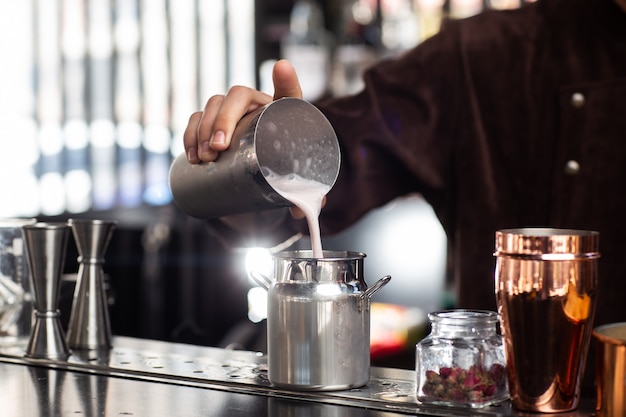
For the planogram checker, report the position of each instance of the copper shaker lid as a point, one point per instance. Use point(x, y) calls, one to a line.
point(547, 243)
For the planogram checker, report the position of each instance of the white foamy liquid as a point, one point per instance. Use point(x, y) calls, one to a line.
point(307, 195)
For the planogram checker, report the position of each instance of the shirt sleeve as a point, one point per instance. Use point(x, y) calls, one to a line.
point(397, 135)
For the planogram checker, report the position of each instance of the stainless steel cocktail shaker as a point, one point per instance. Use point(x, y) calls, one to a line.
point(286, 137)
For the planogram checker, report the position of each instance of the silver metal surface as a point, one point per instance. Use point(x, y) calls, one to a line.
point(288, 136)
point(89, 325)
point(45, 392)
point(46, 244)
point(151, 378)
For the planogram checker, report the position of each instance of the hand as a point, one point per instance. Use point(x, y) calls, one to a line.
point(210, 131)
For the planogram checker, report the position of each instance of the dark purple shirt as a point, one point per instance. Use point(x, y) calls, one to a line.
point(506, 119)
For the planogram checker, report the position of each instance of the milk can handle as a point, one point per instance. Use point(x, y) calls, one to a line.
point(377, 286)
point(365, 297)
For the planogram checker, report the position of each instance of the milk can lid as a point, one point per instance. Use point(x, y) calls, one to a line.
point(548, 243)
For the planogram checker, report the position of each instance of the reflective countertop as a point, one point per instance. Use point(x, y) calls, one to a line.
point(140, 377)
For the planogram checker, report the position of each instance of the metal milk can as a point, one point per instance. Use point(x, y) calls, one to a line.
point(318, 323)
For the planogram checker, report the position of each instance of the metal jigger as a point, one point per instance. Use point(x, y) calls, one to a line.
point(89, 326)
point(46, 244)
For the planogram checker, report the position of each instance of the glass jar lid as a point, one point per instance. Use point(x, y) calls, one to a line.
point(466, 317)
point(461, 322)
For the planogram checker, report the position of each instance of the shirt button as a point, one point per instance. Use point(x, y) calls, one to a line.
point(578, 100)
point(572, 167)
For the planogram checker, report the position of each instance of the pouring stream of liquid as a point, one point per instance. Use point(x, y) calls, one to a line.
point(306, 195)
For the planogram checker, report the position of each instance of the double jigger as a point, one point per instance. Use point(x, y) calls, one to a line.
point(89, 325)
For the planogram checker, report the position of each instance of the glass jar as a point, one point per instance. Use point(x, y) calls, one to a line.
point(461, 362)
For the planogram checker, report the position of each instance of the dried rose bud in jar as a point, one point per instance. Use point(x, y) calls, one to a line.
point(461, 362)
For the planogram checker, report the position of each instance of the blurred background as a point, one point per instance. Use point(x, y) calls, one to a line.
point(94, 97)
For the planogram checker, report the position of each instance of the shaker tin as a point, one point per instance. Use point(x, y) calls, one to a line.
point(286, 137)
point(546, 283)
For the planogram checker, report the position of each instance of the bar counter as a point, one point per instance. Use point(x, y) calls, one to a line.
point(139, 377)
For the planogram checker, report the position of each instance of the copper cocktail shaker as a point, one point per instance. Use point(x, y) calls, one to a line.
point(611, 369)
point(546, 282)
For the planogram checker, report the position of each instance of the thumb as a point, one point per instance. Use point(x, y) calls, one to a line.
point(286, 83)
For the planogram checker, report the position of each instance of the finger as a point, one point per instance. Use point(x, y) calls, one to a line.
point(190, 138)
point(286, 83)
point(220, 124)
point(205, 128)
point(296, 213)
